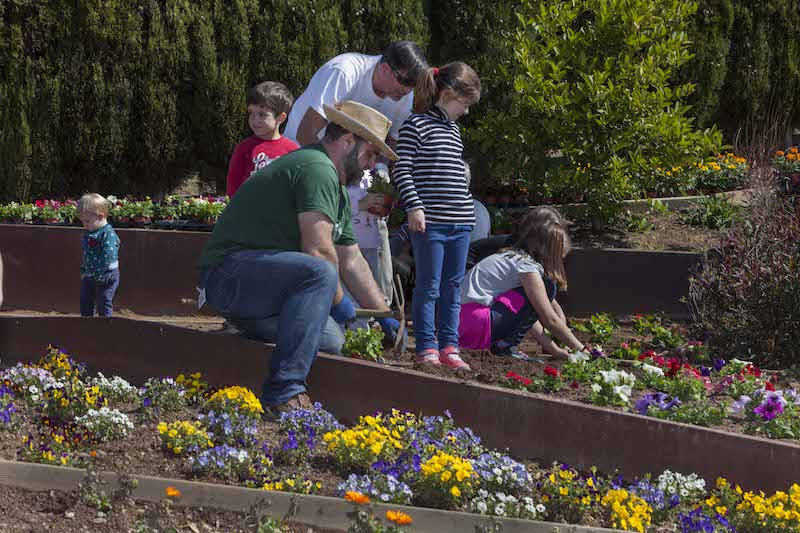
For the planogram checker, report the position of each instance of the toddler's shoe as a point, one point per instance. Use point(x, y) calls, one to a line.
point(428, 357)
point(450, 358)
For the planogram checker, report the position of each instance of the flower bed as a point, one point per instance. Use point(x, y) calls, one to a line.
point(172, 213)
point(179, 428)
point(652, 369)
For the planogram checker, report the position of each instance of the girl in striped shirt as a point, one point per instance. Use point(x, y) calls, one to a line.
point(430, 179)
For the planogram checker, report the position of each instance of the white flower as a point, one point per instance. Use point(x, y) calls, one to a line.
point(650, 369)
point(612, 377)
point(578, 357)
point(483, 493)
point(596, 387)
point(623, 391)
point(481, 507)
point(500, 509)
point(541, 508)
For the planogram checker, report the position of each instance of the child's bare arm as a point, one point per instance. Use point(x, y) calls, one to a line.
point(548, 345)
point(537, 295)
point(559, 311)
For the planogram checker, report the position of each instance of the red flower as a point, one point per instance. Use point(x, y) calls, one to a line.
point(639, 316)
point(39, 203)
point(550, 371)
point(574, 384)
point(93, 242)
point(674, 367)
point(753, 370)
point(518, 378)
point(769, 386)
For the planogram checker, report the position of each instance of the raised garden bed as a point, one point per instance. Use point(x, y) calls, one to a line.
point(186, 429)
point(159, 274)
point(545, 428)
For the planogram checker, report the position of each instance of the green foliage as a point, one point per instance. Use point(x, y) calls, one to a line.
point(597, 74)
point(364, 343)
point(710, 31)
point(763, 79)
point(601, 326)
point(701, 413)
point(714, 212)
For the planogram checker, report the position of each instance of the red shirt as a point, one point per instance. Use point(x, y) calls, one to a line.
point(252, 154)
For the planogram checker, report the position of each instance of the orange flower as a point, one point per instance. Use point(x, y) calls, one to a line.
point(793, 150)
point(791, 157)
point(398, 517)
point(779, 153)
point(93, 453)
point(356, 497)
point(172, 492)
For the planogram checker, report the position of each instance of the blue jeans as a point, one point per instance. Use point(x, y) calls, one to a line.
point(266, 329)
point(440, 255)
point(99, 293)
point(294, 288)
point(511, 328)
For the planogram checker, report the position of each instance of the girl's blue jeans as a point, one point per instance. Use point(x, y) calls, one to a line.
point(440, 254)
point(258, 287)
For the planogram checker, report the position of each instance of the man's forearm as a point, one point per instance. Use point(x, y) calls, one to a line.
point(358, 279)
point(331, 257)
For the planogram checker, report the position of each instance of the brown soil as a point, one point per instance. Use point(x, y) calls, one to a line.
point(23, 511)
point(669, 233)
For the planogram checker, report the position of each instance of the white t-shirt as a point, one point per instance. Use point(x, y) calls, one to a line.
point(365, 225)
point(496, 275)
point(347, 77)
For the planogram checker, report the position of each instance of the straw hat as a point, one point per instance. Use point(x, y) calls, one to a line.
point(363, 121)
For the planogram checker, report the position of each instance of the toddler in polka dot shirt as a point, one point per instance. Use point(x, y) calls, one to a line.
point(100, 265)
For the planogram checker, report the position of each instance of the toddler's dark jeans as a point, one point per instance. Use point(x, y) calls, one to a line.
point(99, 294)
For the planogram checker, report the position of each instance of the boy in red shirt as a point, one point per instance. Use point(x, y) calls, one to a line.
point(268, 105)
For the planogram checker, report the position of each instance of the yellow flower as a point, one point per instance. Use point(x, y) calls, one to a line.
point(590, 482)
point(398, 517)
point(563, 491)
point(177, 449)
point(455, 491)
point(446, 475)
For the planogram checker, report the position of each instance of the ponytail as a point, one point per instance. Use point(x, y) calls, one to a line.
point(426, 92)
point(457, 77)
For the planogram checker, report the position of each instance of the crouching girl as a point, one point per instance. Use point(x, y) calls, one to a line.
point(513, 291)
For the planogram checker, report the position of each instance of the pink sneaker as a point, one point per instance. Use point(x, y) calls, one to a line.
point(450, 358)
point(429, 357)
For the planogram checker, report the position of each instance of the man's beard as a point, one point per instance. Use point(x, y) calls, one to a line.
point(353, 171)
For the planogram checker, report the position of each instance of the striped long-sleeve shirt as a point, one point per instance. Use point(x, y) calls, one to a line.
point(430, 172)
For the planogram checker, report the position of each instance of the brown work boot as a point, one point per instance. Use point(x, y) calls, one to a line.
point(301, 401)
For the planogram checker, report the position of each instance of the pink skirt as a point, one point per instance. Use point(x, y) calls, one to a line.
point(475, 326)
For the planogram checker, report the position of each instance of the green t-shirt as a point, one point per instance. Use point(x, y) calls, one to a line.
point(263, 212)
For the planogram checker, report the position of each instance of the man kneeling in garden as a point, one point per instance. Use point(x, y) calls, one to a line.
point(273, 263)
